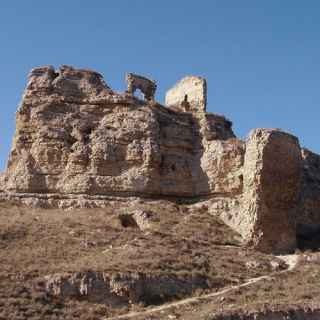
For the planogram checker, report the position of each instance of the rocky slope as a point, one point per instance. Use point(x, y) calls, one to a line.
point(93, 263)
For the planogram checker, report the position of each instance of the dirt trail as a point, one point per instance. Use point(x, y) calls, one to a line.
point(290, 260)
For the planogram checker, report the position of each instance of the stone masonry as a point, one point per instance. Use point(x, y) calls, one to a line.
point(188, 95)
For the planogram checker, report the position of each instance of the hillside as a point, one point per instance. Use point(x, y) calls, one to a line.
point(141, 253)
point(117, 207)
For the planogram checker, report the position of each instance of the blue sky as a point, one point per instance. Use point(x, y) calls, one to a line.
point(261, 58)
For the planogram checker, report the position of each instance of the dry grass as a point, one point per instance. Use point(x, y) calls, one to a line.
point(294, 290)
point(297, 288)
point(35, 243)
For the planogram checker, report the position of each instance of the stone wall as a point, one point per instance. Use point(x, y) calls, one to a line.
point(272, 186)
point(188, 95)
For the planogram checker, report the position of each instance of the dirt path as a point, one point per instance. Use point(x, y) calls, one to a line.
point(290, 260)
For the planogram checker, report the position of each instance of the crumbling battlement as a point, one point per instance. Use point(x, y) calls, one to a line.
point(188, 95)
point(146, 86)
point(66, 81)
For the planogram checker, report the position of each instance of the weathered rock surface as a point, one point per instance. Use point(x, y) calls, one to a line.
point(311, 188)
point(189, 94)
point(272, 184)
point(79, 144)
point(118, 290)
point(75, 136)
point(170, 181)
point(2, 181)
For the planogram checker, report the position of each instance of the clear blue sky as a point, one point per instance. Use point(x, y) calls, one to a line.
point(261, 58)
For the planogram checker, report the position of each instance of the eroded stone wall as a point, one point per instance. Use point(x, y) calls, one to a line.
point(188, 95)
point(272, 185)
point(311, 188)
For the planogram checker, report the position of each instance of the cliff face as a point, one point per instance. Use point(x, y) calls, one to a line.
point(78, 139)
point(74, 135)
point(311, 188)
point(272, 187)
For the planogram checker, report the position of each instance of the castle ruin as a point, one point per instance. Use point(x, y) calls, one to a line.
point(78, 143)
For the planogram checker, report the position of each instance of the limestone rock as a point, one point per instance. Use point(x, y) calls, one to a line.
point(222, 163)
point(2, 181)
point(118, 290)
point(79, 144)
point(67, 82)
point(311, 188)
point(189, 94)
point(215, 127)
point(74, 135)
point(272, 185)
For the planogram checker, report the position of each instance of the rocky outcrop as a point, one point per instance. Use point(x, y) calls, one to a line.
point(2, 181)
point(308, 221)
point(311, 188)
point(118, 290)
point(79, 144)
point(74, 135)
point(272, 185)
